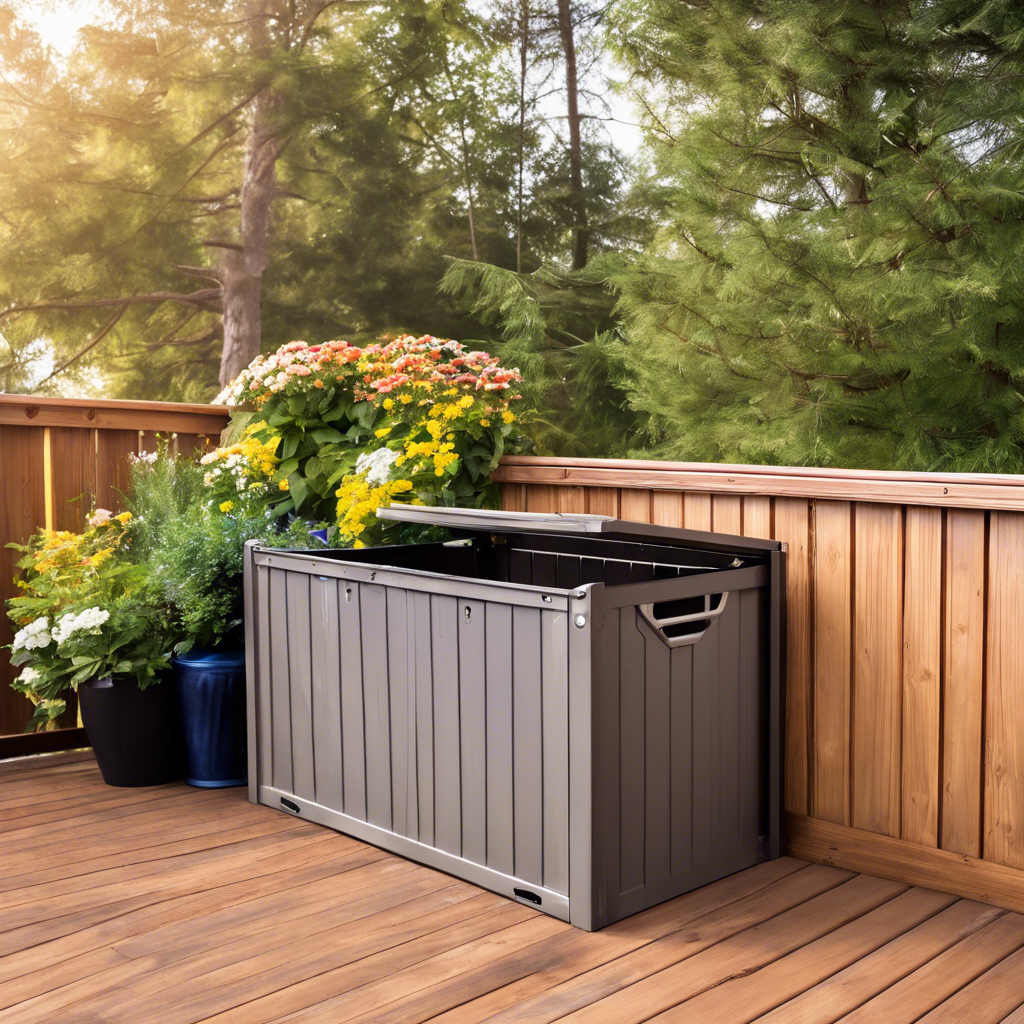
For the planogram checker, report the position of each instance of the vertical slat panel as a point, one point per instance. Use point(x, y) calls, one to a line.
point(513, 497)
point(706, 753)
point(726, 514)
point(473, 728)
point(681, 716)
point(555, 730)
point(542, 498)
point(300, 684)
point(422, 646)
point(499, 737)
point(667, 508)
point(962, 683)
point(264, 691)
point(697, 511)
point(74, 475)
point(401, 650)
point(658, 768)
point(922, 671)
point(112, 473)
point(572, 499)
point(603, 501)
point(528, 770)
point(793, 525)
point(447, 747)
point(832, 595)
point(353, 744)
point(757, 517)
point(877, 690)
point(1004, 689)
point(752, 644)
point(632, 759)
point(280, 696)
point(635, 505)
point(326, 693)
point(376, 703)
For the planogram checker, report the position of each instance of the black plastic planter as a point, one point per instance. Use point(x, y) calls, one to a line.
point(210, 690)
point(133, 732)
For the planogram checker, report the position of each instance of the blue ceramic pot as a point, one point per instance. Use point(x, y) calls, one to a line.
point(210, 689)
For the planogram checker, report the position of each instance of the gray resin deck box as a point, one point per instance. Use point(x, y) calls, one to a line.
point(578, 713)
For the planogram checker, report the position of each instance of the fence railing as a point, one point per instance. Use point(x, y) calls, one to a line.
point(58, 458)
point(905, 649)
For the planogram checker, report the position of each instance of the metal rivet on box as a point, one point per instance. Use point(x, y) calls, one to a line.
point(546, 598)
point(580, 620)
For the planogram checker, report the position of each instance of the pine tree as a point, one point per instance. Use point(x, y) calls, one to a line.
point(838, 274)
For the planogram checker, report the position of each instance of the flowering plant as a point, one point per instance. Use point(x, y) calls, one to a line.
point(83, 613)
point(423, 418)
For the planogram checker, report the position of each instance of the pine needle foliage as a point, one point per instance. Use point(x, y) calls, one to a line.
point(838, 277)
point(559, 328)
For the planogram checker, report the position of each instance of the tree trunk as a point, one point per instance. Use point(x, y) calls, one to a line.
point(579, 205)
point(524, 42)
point(242, 268)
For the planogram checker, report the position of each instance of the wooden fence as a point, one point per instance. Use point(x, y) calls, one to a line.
point(58, 459)
point(905, 649)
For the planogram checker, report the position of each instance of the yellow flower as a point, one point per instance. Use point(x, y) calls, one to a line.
point(466, 401)
point(405, 399)
point(433, 429)
point(451, 391)
point(508, 417)
point(123, 517)
point(226, 506)
point(283, 485)
point(383, 432)
point(389, 404)
point(485, 423)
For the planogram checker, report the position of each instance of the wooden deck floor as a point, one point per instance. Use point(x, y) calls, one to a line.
point(174, 905)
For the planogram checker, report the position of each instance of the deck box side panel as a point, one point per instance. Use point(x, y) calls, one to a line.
point(680, 748)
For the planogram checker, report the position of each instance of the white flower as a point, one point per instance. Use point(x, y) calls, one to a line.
point(99, 518)
point(376, 465)
point(69, 624)
point(28, 676)
point(35, 634)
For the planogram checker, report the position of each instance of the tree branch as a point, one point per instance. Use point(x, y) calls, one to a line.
point(206, 298)
point(111, 324)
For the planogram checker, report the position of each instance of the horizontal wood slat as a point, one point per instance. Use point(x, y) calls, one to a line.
point(950, 490)
point(905, 678)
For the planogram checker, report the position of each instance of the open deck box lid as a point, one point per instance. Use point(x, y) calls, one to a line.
point(494, 521)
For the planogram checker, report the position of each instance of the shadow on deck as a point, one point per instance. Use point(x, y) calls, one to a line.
point(172, 905)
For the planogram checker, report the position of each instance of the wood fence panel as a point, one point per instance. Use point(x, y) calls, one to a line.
point(22, 509)
point(877, 682)
point(697, 511)
point(635, 506)
point(73, 461)
point(833, 538)
point(793, 525)
point(667, 508)
point(727, 513)
point(757, 517)
point(922, 675)
point(603, 501)
point(964, 655)
point(1004, 709)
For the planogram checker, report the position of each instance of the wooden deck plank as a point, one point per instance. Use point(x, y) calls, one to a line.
point(179, 907)
point(849, 988)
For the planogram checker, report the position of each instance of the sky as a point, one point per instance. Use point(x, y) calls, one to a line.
point(58, 21)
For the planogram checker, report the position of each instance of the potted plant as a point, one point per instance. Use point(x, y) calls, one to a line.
point(90, 621)
point(192, 547)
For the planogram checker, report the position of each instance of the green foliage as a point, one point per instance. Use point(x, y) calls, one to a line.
point(838, 278)
point(190, 551)
point(559, 328)
point(84, 612)
point(419, 417)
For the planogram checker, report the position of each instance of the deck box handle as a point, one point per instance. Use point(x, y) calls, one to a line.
point(686, 628)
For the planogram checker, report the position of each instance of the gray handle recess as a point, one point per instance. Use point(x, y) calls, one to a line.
point(708, 614)
point(492, 519)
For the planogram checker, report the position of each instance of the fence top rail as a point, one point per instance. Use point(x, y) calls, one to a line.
point(953, 490)
point(110, 414)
